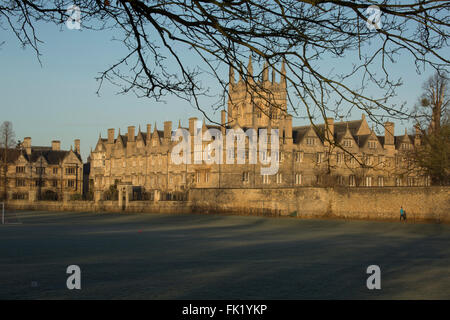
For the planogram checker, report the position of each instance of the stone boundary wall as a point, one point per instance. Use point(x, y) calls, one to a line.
point(383, 203)
point(102, 206)
point(421, 203)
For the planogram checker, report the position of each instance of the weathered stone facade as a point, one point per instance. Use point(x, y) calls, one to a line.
point(38, 172)
point(330, 154)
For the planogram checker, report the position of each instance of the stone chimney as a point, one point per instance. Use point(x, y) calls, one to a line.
point(265, 72)
point(56, 145)
point(77, 146)
point(192, 126)
point(231, 75)
point(389, 133)
point(167, 130)
point(250, 66)
point(329, 131)
point(283, 74)
point(149, 132)
point(110, 135)
point(131, 134)
point(27, 145)
point(223, 121)
point(288, 126)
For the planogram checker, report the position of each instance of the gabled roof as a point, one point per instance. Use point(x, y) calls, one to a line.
point(122, 139)
point(68, 153)
point(298, 133)
point(403, 138)
point(49, 155)
point(362, 139)
point(340, 129)
point(353, 126)
point(141, 136)
point(156, 135)
point(101, 142)
point(347, 134)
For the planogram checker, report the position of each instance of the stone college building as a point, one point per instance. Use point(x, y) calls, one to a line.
point(43, 172)
point(333, 153)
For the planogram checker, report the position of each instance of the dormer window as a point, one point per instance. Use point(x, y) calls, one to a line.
point(20, 169)
point(405, 146)
point(372, 144)
point(310, 141)
point(348, 142)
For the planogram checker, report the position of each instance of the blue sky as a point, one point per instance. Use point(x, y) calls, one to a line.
point(58, 101)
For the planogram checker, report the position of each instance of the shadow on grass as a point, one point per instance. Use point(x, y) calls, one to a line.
point(142, 256)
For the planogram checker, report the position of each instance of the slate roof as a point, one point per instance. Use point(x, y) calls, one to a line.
point(339, 130)
point(298, 132)
point(11, 156)
point(51, 156)
point(361, 140)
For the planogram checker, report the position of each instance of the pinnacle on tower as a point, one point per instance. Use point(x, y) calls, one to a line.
point(231, 75)
point(273, 75)
point(250, 66)
point(283, 73)
point(265, 72)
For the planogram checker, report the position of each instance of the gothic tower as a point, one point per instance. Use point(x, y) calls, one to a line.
point(257, 102)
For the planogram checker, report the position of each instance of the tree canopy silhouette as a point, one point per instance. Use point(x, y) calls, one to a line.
point(304, 33)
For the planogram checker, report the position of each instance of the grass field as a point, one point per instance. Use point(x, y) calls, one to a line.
point(154, 256)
